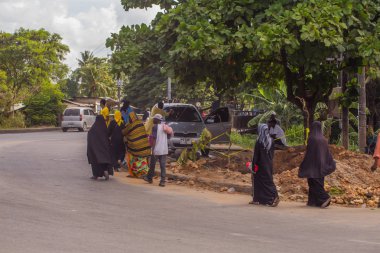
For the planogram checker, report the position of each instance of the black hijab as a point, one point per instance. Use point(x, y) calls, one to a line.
point(98, 146)
point(318, 161)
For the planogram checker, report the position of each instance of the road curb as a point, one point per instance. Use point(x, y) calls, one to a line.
point(29, 130)
point(211, 183)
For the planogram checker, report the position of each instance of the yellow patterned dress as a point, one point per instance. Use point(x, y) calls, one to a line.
point(138, 147)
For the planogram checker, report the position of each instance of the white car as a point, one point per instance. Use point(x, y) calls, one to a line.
point(80, 118)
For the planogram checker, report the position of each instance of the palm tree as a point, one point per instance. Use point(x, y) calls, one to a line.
point(86, 58)
point(94, 76)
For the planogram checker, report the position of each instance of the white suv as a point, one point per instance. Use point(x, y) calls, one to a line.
point(78, 117)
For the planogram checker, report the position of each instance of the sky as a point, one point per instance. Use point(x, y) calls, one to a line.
point(83, 24)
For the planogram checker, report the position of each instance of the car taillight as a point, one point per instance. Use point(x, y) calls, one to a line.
point(80, 117)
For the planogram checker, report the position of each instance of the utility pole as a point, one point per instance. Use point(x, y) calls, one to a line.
point(362, 110)
point(169, 90)
point(119, 84)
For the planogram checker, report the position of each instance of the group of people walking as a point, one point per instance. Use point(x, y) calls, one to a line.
point(317, 164)
point(126, 140)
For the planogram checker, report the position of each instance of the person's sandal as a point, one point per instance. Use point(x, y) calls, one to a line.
point(275, 202)
point(326, 203)
point(106, 175)
point(254, 202)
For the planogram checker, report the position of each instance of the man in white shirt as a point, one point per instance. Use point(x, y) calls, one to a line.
point(160, 149)
point(276, 132)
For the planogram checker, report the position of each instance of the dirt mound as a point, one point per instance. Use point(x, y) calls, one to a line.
point(352, 183)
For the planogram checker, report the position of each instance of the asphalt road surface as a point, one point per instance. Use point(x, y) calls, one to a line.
point(49, 204)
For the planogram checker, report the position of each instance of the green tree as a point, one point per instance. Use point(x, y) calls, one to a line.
point(30, 58)
point(45, 107)
point(264, 42)
point(94, 76)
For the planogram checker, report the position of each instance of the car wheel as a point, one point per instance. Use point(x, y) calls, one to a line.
point(64, 129)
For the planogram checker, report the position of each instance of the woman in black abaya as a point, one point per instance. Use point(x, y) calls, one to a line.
point(317, 164)
point(117, 142)
point(264, 189)
point(98, 149)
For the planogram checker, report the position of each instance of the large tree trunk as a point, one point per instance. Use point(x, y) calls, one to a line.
point(345, 119)
point(362, 111)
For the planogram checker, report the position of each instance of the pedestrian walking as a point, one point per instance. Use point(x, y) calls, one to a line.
point(276, 132)
point(146, 115)
point(157, 109)
point(264, 189)
point(160, 150)
point(116, 138)
point(138, 148)
point(105, 111)
point(317, 164)
point(98, 149)
point(376, 155)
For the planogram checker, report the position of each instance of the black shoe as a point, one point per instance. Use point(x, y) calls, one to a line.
point(275, 202)
point(162, 184)
point(146, 179)
point(106, 175)
point(326, 203)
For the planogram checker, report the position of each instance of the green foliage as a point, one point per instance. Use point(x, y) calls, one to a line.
point(146, 87)
point(93, 77)
point(16, 120)
point(295, 135)
point(226, 43)
point(45, 107)
point(201, 145)
point(30, 58)
point(274, 100)
point(247, 141)
point(69, 87)
point(164, 4)
point(336, 191)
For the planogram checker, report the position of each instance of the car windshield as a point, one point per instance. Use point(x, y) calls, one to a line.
point(72, 112)
point(183, 114)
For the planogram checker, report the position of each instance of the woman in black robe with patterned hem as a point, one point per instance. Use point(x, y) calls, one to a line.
point(264, 189)
point(98, 149)
point(317, 164)
point(116, 138)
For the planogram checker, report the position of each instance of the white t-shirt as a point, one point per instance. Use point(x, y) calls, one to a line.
point(161, 146)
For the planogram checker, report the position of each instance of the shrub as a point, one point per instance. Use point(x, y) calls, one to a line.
point(13, 121)
point(43, 108)
point(295, 135)
point(244, 140)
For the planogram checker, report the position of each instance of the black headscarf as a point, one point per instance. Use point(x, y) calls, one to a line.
point(98, 146)
point(318, 161)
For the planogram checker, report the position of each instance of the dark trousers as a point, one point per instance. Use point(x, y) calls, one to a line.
point(317, 193)
point(152, 166)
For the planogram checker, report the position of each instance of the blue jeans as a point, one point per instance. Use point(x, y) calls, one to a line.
point(152, 166)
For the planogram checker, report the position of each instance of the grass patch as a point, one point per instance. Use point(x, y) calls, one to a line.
point(335, 191)
point(243, 140)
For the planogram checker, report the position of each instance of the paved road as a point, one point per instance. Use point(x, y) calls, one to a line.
point(48, 204)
